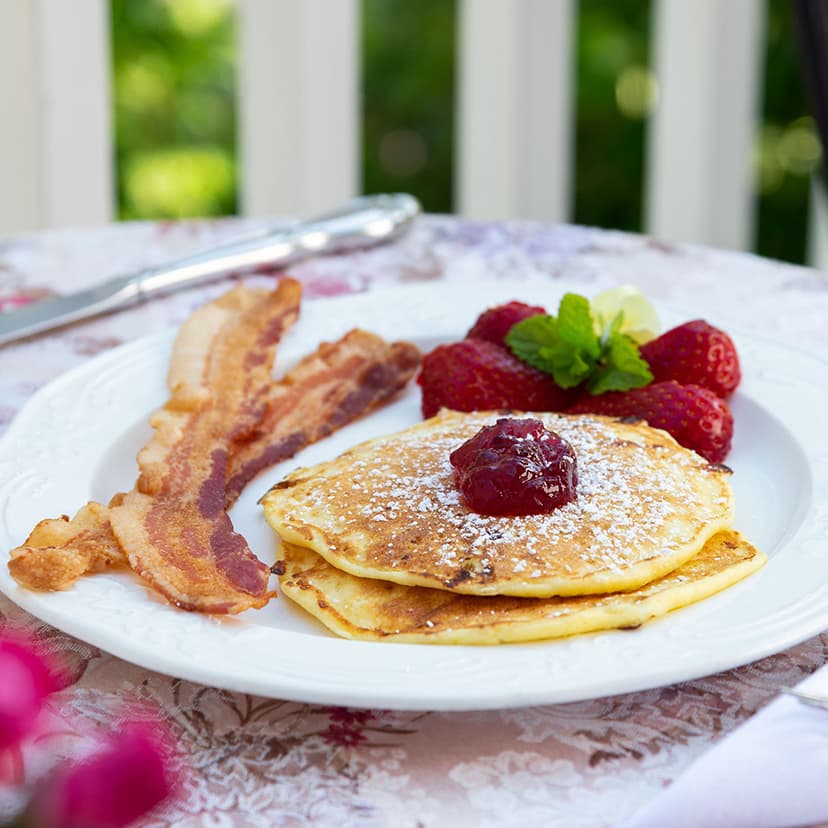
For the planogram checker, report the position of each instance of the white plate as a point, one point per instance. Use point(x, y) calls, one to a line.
point(77, 438)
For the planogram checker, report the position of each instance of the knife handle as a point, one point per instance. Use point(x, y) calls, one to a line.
point(362, 222)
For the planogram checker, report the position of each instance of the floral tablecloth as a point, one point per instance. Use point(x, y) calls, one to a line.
point(262, 762)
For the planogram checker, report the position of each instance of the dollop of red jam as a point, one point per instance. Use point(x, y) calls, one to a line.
point(515, 467)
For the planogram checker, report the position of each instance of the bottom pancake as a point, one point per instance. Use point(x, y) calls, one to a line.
point(374, 610)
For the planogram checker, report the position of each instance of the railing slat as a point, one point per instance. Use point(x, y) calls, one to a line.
point(515, 119)
point(708, 65)
point(818, 225)
point(298, 105)
point(56, 155)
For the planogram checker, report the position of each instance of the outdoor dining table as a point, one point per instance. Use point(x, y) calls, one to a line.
point(257, 761)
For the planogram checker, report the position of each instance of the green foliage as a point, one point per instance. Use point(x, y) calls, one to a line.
point(408, 98)
point(783, 188)
point(174, 102)
point(179, 182)
point(612, 39)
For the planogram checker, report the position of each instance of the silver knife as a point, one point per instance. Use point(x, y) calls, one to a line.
point(360, 223)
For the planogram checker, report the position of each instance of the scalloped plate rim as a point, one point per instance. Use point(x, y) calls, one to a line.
point(411, 684)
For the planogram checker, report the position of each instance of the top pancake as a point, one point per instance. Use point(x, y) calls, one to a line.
point(389, 509)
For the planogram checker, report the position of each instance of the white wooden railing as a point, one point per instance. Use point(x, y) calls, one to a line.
point(515, 109)
point(708, 64)
point(299, 110)
point(298, 104)
point(55, 131)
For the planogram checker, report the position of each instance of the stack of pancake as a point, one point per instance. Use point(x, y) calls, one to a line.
point(378, 545)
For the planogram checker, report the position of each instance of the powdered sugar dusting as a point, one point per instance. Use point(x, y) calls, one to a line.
point(638, 497)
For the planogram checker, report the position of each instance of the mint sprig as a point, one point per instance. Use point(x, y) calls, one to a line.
point(568, 347)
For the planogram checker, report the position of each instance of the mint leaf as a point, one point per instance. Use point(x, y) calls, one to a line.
point(568, 365)
point(568, 348)
point(575, 326)
point(529, 337)
point(565, 347)
point(621, 366)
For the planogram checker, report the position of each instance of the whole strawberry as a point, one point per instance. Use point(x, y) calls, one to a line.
point(695, 353)
point(475, 375)
point(695, 416)
point(493, 324)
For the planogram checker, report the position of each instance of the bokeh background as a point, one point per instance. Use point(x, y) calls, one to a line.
point(174, 105)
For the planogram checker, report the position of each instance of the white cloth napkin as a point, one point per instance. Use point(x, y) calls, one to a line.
point(772, 772)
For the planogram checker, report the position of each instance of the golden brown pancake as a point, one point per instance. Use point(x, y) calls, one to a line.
point(389, 509)
point(375, 610)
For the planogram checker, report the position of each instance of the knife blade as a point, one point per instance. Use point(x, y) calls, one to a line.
point(362, 222)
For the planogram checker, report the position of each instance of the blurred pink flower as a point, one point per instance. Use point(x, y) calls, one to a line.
point(108, 789)
point(27, 679)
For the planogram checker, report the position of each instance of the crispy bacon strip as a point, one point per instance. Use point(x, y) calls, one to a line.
point(173, 526)
point(225, 421)
point(58, 551)
point(327, 389)
point(338, 383)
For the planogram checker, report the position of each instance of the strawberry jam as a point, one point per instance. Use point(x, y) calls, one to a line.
point(515, 467)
